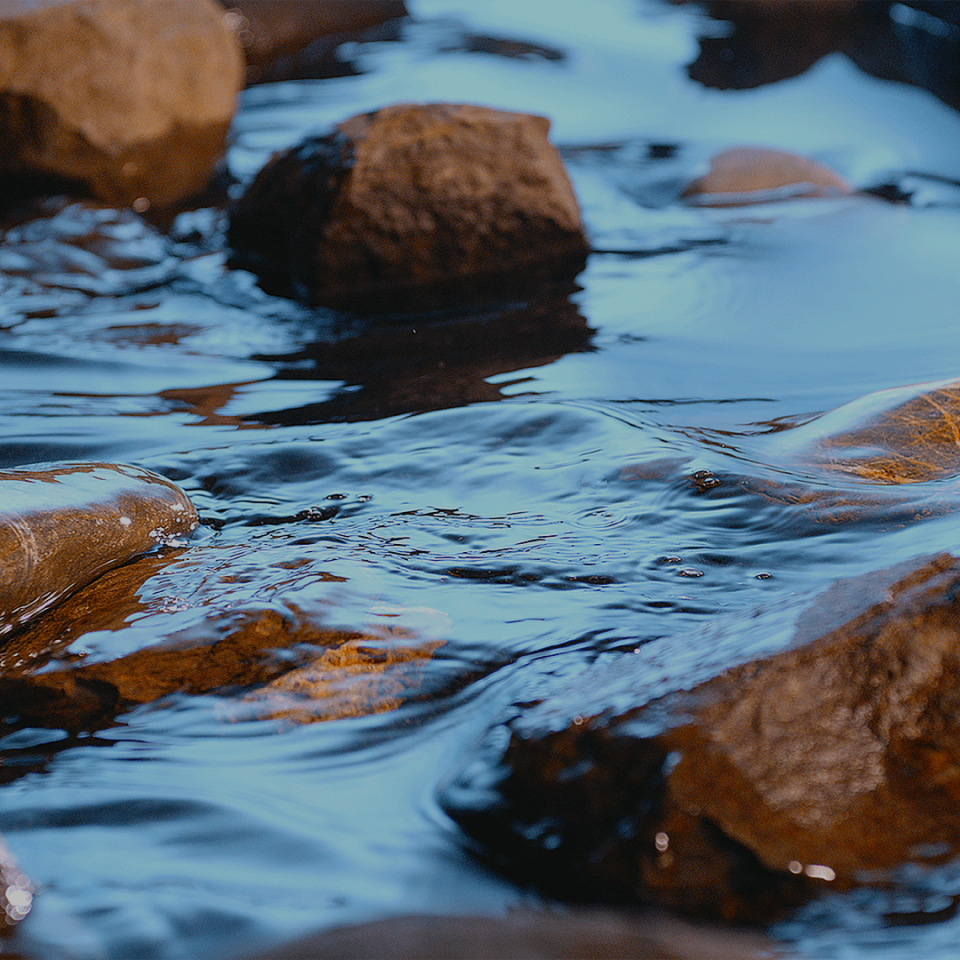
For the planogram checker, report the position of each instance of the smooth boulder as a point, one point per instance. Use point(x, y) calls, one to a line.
point(745, 175)
point(830, 764)
point(410, 197)
point(903, 435)
point(132, 98)
point(62, 525)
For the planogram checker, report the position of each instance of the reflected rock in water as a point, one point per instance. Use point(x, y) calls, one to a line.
point(408, 198)
point(831, 764)
point(745, 175)
point(432, 362)
point(61, 525)
point(131, 99)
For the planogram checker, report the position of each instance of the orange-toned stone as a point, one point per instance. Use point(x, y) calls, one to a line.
point(821, 766)
point(132, 98)
point(62, 525)
point(409, 197)
point(755, 174)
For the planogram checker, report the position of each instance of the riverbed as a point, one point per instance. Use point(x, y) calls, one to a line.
point(527, 488)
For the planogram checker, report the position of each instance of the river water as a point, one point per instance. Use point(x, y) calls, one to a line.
point(527, 488)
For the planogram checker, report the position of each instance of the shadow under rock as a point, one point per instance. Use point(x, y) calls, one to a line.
point(415, 363)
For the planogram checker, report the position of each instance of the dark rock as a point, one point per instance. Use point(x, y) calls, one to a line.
point(280, 37)
point(830, 764)
point(130, 98)
point(408, 198)
point(527, 934)
point(62, 525)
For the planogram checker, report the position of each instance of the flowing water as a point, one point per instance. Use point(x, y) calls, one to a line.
point(529, 488)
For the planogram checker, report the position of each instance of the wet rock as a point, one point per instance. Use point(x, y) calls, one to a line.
point(130, 98)
point(830, 764)
point(278, 35)
point(527, 934)
point(905, 435)
point(770, 41)
point(756, 175)
point(291, 666)
point(407, 198)
point(61, 525)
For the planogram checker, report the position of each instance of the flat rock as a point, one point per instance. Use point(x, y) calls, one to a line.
point(62, 525)
point(132, 98)
point(830, 764)
point(756, 175)
point(410, 197)
point(904, 435)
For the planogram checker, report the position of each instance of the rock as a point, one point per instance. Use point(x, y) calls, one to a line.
point(526, 934)
point(61, 525)
point(300, 671)
point(904, 435)
point(132, 98)
point(274, 32)
point(756, 175)
point(830, 764)
point(407, 198)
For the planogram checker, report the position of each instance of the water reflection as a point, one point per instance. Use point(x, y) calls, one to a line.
point(413, 364)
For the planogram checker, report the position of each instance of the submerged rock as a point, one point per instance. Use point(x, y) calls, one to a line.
point(755, 175)
point(904, 435)
point(292, 667)
point(62, 525)
point(834, 763)
point(133, 98)
point(410, 197)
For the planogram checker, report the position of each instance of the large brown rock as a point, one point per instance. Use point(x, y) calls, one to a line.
point(833, 763)
point(62, 525)
point(132, 98)
point(408, 197)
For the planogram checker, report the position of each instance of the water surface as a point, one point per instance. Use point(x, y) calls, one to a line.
point(540, 486)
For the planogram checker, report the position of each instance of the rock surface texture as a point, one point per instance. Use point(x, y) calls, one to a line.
point(755, 175)
point(408, 197)
point(63, 525)
point(132, 98)
point(830, 764)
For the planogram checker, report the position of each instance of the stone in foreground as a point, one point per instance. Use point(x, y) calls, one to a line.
point(132, 98)
point(410, 197)
point(833, 763)
point(62, 525)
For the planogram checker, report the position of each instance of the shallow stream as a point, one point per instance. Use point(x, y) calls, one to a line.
point(536, 486)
